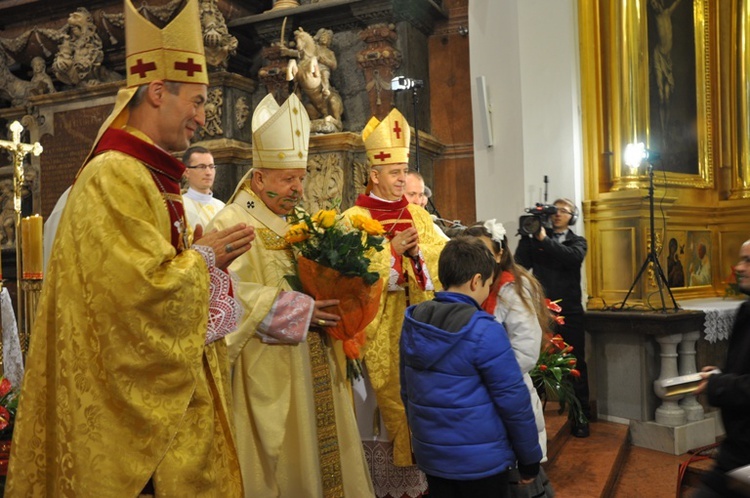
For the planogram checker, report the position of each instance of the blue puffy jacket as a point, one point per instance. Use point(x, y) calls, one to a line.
point(467, 405)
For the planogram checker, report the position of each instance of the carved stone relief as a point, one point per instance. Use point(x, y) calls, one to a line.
point(378, 61)
point(80, 55)
point(219, 44)
point(241, 112)
point(325, 180)
point(214, 112)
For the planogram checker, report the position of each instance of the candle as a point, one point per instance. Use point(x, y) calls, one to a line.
point(31, 247)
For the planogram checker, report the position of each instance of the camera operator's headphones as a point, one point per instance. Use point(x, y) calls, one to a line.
point(574, 209)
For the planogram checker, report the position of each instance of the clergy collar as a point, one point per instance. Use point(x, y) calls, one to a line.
point(381, 199)
point(198, 196)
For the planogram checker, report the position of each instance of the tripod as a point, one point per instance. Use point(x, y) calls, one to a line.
point(652, 257)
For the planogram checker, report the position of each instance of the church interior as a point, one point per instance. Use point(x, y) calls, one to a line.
point(511, 103)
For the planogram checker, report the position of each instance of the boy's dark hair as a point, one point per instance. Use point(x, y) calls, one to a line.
point(193, 150)
point(462, 258)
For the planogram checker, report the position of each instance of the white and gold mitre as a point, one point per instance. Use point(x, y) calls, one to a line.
point(173, 53)
point(387, 141)
point(280, 134)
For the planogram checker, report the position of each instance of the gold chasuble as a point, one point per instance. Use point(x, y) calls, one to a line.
point(120, 387)
point(403, 285)
point(295, 426)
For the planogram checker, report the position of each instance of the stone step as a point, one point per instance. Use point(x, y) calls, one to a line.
point(584, 467)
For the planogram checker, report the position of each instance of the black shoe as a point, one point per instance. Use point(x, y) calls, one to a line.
point(580, 430)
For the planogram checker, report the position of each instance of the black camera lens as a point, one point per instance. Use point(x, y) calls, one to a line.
point(529, 225)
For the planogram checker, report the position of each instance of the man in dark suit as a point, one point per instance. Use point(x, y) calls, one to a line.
point(556, 260)
point(729, 390)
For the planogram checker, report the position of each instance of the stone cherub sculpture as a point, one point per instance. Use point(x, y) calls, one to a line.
point(78, 61)
point(323, 102)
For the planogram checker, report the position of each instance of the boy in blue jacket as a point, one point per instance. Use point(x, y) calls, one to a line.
point(467, 405)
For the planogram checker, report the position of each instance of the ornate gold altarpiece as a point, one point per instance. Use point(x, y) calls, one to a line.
point(703, 204)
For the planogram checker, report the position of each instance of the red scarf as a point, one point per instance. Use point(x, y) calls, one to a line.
point(168, 169)
point(489, 304)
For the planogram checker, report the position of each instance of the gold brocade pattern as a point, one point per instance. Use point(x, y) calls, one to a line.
point(328, 444)
point(271, 240)
point(384, 332)
point(120, 387)
point(275, 404)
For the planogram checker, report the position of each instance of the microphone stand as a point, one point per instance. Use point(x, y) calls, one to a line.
point(652, 257)
point(415, 101)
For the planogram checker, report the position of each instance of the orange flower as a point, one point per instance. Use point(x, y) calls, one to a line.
point(543, 368)
point(325, 218)
point(572, 362)
point(575, 373)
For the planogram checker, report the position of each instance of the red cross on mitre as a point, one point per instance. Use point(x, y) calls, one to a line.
point(190, 67)
point(140, 68)
point(382, 156)
point(397, 129)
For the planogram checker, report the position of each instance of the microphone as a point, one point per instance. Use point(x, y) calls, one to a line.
point(403, 83)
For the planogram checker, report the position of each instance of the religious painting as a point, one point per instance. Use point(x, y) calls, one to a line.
point(674, 266)
point(680, 91)
point(698, 254)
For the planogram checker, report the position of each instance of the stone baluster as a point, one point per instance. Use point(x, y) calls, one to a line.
point(670, 413)
point(686, 351)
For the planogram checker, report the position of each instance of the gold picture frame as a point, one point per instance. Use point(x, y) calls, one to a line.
point(685, 152)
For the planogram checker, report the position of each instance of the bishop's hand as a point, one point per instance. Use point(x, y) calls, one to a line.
point(227, 244)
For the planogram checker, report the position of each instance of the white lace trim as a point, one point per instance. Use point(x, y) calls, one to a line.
point(393, 277)
point(224, 311)
point(429, 285)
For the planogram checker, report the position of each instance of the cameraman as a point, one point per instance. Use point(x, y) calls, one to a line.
point(556, 261)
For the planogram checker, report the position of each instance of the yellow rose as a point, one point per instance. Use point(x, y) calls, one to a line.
point(325, 218)
point(357, 221)
point(297, 233)
point(373, 227)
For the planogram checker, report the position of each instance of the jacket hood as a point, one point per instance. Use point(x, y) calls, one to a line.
point(433, 328)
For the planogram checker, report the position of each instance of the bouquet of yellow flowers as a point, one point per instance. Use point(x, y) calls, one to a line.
point(333, 263)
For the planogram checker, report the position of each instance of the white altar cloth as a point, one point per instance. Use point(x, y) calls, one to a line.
point(719, 313)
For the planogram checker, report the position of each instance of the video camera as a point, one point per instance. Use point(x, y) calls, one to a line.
point(538, 217)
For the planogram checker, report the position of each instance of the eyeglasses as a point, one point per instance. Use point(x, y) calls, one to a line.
point(203, 167)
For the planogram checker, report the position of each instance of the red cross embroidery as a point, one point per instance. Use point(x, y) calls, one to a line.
point(190, 67)
point(397, 129)
point(142, 68)
point(382, 156)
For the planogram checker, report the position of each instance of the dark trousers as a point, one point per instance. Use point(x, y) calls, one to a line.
point(574, 333)
point(489, 487)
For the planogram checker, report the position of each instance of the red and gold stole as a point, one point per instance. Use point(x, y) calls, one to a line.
point(395, 217)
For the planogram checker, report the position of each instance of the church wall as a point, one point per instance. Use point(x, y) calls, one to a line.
point(528, 52)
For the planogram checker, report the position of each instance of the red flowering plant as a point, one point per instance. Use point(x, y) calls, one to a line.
point(8, 407)
point(553, 371)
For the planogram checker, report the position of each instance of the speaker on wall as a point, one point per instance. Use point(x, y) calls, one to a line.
point(485, 112)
